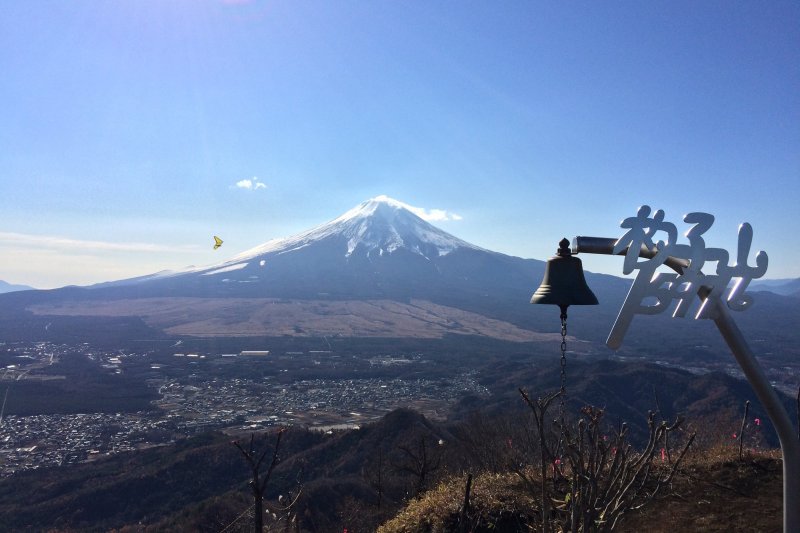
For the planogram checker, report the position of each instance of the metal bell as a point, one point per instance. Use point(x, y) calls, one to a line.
point(563, 283)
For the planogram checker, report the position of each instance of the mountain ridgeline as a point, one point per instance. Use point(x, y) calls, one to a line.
point(11, 287)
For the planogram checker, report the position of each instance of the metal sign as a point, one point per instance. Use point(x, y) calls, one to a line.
point(652, 292)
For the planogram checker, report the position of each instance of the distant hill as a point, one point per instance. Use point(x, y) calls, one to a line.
point(784, 287)
point(627, 391)
point(9, 287)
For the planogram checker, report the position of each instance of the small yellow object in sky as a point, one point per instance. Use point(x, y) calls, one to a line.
point(217, 242)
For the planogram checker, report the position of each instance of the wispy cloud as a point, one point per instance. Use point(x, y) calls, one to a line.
point(250, 184)
point(431, 215)
point(75, 245)
point(434, 215)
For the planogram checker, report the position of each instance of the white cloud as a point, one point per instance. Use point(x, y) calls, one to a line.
point(76, 245)
point(434, 215)
point(431, 215)
point(251, 184)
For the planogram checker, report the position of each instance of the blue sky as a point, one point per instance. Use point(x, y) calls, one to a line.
point(126, 126)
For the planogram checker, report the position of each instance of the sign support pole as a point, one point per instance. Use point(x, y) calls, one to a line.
point(790, 445)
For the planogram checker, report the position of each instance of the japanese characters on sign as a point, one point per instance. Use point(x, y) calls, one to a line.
point(652, 292)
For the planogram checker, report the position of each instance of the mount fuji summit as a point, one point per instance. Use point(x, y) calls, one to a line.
point(379, 226)
point(377, 270)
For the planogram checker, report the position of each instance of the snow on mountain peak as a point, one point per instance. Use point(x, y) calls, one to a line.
point(380, 225)
point(389, 205)
point(380, 205)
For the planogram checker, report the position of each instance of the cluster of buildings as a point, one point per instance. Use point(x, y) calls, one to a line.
point(30, 442)
point(255, 404)
point(202, 398)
